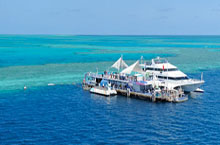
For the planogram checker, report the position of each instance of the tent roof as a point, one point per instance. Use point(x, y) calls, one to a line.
point(119, 64)
point(132, 68)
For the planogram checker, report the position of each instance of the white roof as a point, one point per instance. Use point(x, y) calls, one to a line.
point(119, 64)
point(165, 65)
point(133, 68)
point(175, 74)
point(160, 66)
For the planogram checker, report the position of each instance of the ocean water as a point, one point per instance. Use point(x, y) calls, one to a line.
point(66, 114)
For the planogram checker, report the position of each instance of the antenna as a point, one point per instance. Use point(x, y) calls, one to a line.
point(120, 62)
point(201, 76)
point(167, 71)
point(142, 59)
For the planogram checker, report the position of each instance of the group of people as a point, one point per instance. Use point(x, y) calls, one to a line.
point(119, 76)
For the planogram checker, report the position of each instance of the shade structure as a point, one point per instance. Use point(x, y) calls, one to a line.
point(119, 64)
point(133, 68)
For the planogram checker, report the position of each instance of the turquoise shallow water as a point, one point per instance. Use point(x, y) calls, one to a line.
point(36, 60)
point(65, 114)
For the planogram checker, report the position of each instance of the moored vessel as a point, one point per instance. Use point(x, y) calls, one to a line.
point(132, 81)
point(171, 75)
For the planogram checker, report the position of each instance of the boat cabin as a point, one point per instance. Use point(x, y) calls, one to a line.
point(142, 86)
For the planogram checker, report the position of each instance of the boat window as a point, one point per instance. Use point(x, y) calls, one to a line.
point(160, 60)
point(172, 78)
point(148, 63)
point(172, 69)
point(159, 69)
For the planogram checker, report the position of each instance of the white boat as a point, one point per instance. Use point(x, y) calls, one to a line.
point(198, 90)
point(100, 90)
point(104, 89)
point(180, 97)
point(174, 95)
point(171, 75)
point(51, 84)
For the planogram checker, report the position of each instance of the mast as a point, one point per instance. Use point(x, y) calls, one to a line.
point(167, 74)
point(202, 76)
point(141, 59)
point(121, 63)
point(167, 70)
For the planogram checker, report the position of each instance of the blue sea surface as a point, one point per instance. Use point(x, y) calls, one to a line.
point(66, 114)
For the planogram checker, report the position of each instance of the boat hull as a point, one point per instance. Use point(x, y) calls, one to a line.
point(180, 99)
point(198, 90)
point(100, 91)
point(191, 87)
point(103, 91)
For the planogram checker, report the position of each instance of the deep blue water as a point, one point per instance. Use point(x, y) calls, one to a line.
point(66, 114)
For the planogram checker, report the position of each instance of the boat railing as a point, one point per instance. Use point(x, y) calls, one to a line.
point(148, 63)
point(185, 81)
point(190, 80)
point(115, 77)
point(196, 80)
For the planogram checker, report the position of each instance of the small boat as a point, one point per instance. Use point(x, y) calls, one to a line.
point(198, 90)
point(173, 95)
point(103, 91)
point(104, 88)
point(51, 84)
point(180, 97)
point(100, 90)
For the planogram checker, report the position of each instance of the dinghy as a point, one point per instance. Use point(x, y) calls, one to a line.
point(104, 88)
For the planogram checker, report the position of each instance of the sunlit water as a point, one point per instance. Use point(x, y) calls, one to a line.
point(65, 114)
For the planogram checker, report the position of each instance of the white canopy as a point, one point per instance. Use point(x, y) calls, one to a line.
point(119, 64)
point(133, 68)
